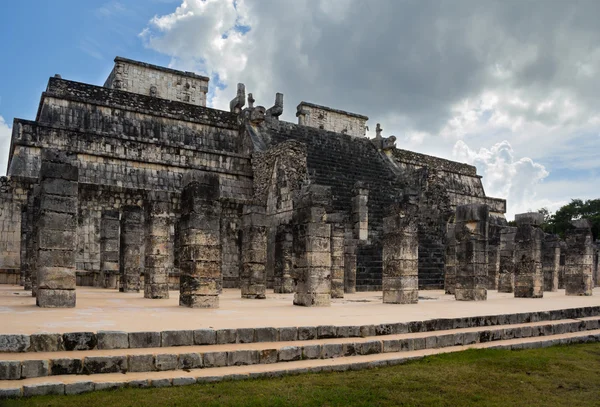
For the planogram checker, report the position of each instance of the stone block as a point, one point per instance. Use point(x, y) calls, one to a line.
point(9, 393)
point(214, 359)
point(46, 342)
point(104, 364)
point(391, 345)
point(530, 218)
point(242, 357)
point(43, 389)
point(205, 337)
point(112, 340)
point(109, 385)
point(350, 349)
point(79, 387)
point(138, 384)
point(65, 366)
point(332, 350)
point(177, 338)
point(80, 341)
point(307, 333)
point(10, 370)
point(290, 353)
point(144, 340)
point(190, 361)
point(288, 334)
point(267, 356)
point(166, 362)
point(49, 298)
point(226, 336)
point(371, 347)
point(311, 352)
point(183, 381)
point(266, 335)
point(34, 368)
point(326, 331)
point(245, 335)
point(140, 363)
point(367, 330)
point(14, 343)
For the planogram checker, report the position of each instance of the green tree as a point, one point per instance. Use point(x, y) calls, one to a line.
point(560, 221)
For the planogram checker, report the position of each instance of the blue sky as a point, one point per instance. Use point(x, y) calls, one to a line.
point(509, 86)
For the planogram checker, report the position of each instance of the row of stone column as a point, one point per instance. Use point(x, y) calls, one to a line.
point(527, 260)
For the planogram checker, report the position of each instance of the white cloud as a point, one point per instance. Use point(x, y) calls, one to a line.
point(5, 135)
point(505, 175)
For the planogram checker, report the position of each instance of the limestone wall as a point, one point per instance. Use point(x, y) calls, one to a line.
point(157, 81)
point(326, 118)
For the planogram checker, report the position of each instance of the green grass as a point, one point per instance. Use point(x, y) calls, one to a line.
point(557, 376)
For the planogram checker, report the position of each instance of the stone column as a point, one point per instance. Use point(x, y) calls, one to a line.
point(35, 208)
point(253, 277)
point(471, 252)
point(201, 257)
point(579, 260)
point(132, 240)
point(494, 230)
point(56, 231)
point(551, 262)
point(529, 280)
point(312, 247)
point(157, 263)
point(27, 254)
point(282, 275)
point(506, 275)
point(596, 265)
point(360, 212)
point(400, 278)
point(350, 249)
point(109, 249)
point(337, 222)
point(450, 260)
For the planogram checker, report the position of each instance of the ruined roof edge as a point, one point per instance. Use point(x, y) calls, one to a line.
point(360, 116)
point(162, 68)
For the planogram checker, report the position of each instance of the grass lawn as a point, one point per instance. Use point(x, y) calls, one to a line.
point(557, 376)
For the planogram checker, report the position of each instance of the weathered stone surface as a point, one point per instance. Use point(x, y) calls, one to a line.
point(471, 233)
point(177, 338)
point(104, 364)
point(80, 340)
point(144, 339)
point(332, 350)
point(289, 353)
point(245, 335)
point(306, 333)
point(14, 343)
point(214, 359)
point(43, 389)
point(266, 335)
point(166, 362)
point(267, 356)
point(529, 280)
point(65, 366)
point(10, 370)
point(579, 259)
point(226, 336)
point(79, 387)
point(140, 363)
point(205, 337)
point(190, 361)
point(46, 342)
point(108, 385)
point(34, 368)
point(242, 357)
point(9, 393)
point(112, 340)
point(288, 334)
point(311, 352)
point(183, 381)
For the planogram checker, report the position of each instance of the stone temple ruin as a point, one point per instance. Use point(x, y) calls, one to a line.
point(138, 186)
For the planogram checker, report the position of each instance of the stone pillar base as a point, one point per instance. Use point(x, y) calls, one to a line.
point(505, 283)
point(48, 298)
point(478, 294)
point(526, 288)
point(578, 285)
point(337, 289)
point(283, 285)
point(401, 297)
point(199, 301)
point(312, 300)
point(156, 291)
point(253, 291)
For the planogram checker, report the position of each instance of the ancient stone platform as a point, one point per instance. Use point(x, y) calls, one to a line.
point(108, 310)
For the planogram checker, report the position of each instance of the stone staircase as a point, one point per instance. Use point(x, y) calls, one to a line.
point(74, 363)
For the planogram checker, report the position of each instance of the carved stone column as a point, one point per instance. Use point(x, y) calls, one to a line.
point(471, 252)
point(132, 239)
point(400, 277)
point(360, 212)
point(450, 260)
point(56, 231)
point(284, 253)
point(109, 249)
point(157, 264)
point(550, 262)
point(253, 277)
point(350, 249)
point(579, 260)
point(529, 280)
point(506, 276)
point(337, 222)
point(494, 230)
point(200, 229)
point(312, 247)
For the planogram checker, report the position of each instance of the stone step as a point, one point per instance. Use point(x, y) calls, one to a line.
point(72, 384)
point(77, 341)
point(17, 366)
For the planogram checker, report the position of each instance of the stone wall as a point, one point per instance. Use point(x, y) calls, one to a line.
point(329, 119)
point(157, 81)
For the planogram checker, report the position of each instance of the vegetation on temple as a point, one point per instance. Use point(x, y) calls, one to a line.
point(560, 221)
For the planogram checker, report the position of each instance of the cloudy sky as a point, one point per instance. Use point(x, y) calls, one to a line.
point(509, 86)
